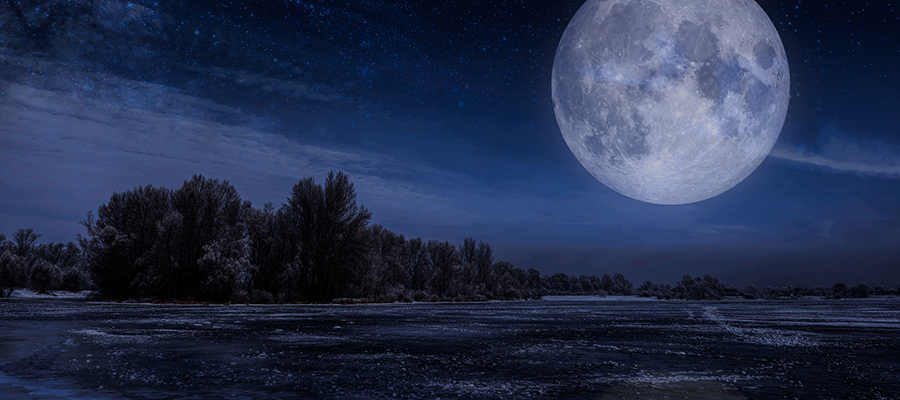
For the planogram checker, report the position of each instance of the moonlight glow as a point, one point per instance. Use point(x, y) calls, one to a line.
point(670, 102)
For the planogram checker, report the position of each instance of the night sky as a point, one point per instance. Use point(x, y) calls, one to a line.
point(441, 114)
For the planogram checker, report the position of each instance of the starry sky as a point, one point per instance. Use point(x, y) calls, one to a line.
point(441, 114)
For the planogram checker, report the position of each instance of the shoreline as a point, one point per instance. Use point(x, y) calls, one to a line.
point(85, 296)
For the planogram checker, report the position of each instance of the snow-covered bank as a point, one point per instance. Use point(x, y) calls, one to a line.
point(58, 294)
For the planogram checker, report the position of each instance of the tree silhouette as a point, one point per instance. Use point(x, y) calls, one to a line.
point(859, 291)
point(705, 288)
point(839, 291)
point(484, 260)
point(269, 249)
point(444, 260)
point(417, 264)
point(9, 271)
point(43, 276)
point(209, 254)
point(23, 242)
point(125, 242)
point(327, 225)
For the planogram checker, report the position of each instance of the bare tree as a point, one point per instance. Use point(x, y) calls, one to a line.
point(466, 251)
point(445, 261)
point(269, 246)
point(23, 241)
point(327, 225)
point(417, 264)
point(9, 271)
point(124, 241)
point(484, 260)
point(210, 253)
point(393, 257)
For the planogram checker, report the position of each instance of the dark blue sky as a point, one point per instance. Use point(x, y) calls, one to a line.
point(441, 115)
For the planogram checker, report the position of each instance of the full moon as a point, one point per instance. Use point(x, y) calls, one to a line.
point(670, 101)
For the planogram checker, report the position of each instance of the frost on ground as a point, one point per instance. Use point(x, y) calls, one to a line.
point(761, 336)
point(597, 298)
point(51, 348)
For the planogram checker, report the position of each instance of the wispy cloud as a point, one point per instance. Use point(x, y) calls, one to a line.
point(840, 152)
point(289, 87)
point(70, 153)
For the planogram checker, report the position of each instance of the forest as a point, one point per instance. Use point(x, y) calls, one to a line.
point(203, 243)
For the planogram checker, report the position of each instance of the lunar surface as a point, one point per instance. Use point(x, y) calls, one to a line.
point(670, 102)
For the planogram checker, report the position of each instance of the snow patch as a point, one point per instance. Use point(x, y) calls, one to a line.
point(596, 298)
point(105, 337)
point(763, 336)
point(669, 379)
point(307, 339)
point(59, 294)
point(480, 388)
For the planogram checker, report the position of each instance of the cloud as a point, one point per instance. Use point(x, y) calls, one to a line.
point(70, 136)
point(305, 88)
point(64, 153)
point(840, 152)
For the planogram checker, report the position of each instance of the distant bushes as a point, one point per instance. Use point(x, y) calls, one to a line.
point(857, 291)
point(705, 288)
point(42, 268)
point(660, 291)
point(709, 288)
point(561, 284)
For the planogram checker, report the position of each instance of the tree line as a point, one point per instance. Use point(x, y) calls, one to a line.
point(709, 288)
point(203, 243)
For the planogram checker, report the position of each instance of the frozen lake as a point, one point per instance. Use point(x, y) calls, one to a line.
point(849, 349)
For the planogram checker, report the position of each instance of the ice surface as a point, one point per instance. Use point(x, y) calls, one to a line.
point(536, 349)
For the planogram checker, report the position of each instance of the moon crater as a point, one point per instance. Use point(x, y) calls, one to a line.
point(670, 102)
